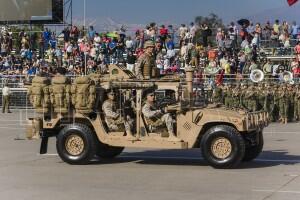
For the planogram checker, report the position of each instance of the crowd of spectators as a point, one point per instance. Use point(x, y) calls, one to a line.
point(232, 50)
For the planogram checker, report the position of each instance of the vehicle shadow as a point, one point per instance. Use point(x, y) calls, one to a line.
point(193, 158)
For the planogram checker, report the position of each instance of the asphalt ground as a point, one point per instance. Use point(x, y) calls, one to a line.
point(146, 173)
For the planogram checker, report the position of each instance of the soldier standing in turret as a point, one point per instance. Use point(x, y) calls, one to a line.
point(146, 68)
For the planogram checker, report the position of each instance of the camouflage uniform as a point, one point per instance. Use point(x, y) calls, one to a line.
point(260, 97)
point(269, 104)
point(291, 101)
point(250, 99)
point(227, 97)
point(297, 103)
point(145, 67)
point(236, 97)
point(276, 94)
point(217, 95)
point(112, 118)
point(156, 118)
point(283, 104)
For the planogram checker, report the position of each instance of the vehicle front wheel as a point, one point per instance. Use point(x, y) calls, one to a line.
point(76, 144)
point(253, 151)
point(223, 146)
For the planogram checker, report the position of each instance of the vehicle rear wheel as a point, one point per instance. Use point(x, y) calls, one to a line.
point(222, 146)
point(252, 152)
point(76, 144)
point(106, 151)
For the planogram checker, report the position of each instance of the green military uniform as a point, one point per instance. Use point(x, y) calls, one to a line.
point(260, 97)
point(217, 95)
point(297, 103)
point(236, 96)
point(291, 101)
point(283, 104)
point(227, 97)
point(243, 103)
point(250, 99)
point(276, 94)
point(269, 103)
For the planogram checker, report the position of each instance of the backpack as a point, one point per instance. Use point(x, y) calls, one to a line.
point(60, 94)
point(83, 94)
point(39, 94)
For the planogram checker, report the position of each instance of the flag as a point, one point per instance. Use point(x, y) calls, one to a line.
point(291, 2)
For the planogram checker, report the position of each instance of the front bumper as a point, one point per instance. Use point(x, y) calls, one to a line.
point(257, 120)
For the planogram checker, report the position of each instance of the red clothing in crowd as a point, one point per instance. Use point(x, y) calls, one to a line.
point(163, 31)
point(296, 71)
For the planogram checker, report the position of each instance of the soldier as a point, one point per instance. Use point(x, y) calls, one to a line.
point(297, 103)
point(6, 94)
point(269, 103)
point(260, 97)
point(113, 119)
point(156, 117)
point(291, 101)
point(276, 94)
point(227, 96)
point(236, 96)
point(244, 89)
point(217, 96)
point(250, 99)
point(146, 68)
point(283, 104)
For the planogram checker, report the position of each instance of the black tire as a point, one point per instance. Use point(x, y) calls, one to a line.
point(235, 140)
point(82, 133)
point(253, 152)
point(107, 152)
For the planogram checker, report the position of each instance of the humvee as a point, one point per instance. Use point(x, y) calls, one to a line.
point(226, 137)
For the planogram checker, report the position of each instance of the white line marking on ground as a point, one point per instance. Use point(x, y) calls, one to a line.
point(13, 128)
point(280, 191)
point(48, 154)
point(186, 158)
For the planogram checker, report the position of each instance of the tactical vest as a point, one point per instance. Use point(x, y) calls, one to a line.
point(83, 94)
point(60, 94)
point(39, 94)
point(149, 67)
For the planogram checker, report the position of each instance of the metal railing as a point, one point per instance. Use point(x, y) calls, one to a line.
point(18, 98)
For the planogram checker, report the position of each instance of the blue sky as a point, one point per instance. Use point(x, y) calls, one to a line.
point(176, 11)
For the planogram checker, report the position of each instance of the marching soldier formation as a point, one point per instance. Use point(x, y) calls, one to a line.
point(281, 101)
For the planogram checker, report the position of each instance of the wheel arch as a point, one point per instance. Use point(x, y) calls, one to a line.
point(209, 125)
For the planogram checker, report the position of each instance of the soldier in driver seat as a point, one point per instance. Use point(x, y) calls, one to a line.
point(156, 117)
point(114, 120)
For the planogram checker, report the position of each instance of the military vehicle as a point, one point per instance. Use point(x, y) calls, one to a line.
point(72, 112)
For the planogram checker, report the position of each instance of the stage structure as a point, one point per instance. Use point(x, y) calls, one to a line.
point(45, 12)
